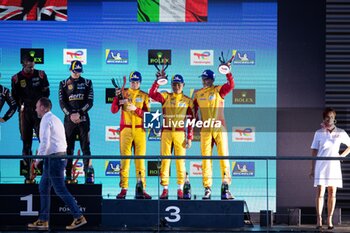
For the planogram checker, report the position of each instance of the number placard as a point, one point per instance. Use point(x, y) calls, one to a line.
point(174, 212)
point(29, 211)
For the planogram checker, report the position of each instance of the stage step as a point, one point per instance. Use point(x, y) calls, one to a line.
point(131, 214)
point(20, 205)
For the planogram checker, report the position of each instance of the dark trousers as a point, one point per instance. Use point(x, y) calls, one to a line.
point(28, 120)
point(82, 131)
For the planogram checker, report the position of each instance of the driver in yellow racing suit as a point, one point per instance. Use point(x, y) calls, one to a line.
point(209, 101)
point(177, 108)
point(132, 133)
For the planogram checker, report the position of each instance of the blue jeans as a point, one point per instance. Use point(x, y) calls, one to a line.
point(53, 177)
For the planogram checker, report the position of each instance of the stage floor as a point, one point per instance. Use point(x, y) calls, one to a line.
point(303, 228)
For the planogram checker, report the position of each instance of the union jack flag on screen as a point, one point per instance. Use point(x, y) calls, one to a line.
point(55, 10)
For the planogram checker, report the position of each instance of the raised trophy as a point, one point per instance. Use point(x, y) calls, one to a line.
point(162, 78)
point(116, 84)
point(225, 66)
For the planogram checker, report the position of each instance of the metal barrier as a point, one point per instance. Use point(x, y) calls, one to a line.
point(259, 193)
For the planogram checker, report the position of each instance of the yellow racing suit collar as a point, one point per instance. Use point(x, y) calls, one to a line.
point(132, 91)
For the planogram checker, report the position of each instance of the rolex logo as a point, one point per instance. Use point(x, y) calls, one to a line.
point(36, 53)
point(243, 96)
point(159, 55)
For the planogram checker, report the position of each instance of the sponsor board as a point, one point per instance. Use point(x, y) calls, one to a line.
point(243, 134)
point(202, 57)
point(154, 134)
point(112, 168)
point(196, 168)
point(243, 96)
point(79, 168)
point(70, 55)
point(110, 94)
point(243, 57)
point(153, 168)
point(117, 56)
point(243, 168)
point(112, 133)
point(159, 56)
point(37, 54)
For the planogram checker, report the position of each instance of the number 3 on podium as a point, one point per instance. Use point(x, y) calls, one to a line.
point(174, 212)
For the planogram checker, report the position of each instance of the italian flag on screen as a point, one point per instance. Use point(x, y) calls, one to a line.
point(172, 10)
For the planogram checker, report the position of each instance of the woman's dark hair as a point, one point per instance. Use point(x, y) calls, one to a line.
point(328, 110)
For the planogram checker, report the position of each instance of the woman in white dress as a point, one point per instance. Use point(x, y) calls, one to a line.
point(327, 173)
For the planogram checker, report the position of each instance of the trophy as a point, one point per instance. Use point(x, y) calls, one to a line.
point(30, 170)
point(187, 188)
point(25, 170)
point(225, 192)
point(162, 78)
point(89, 172)
point(75, 172)
point(90, 175)
point(116, 84)
point(139, 188)
point(36, 170)
point(225, 66)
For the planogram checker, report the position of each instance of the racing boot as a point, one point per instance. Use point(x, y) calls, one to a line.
point(165, 194)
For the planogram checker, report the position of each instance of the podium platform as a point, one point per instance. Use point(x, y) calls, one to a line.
point(195, 214)
point(20, 204)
